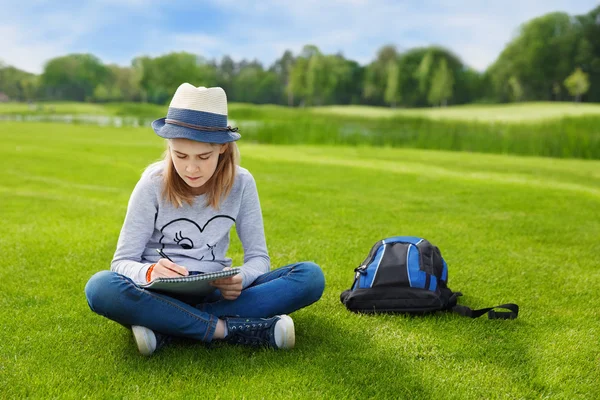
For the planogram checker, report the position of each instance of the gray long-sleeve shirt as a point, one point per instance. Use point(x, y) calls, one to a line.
point(195, 236)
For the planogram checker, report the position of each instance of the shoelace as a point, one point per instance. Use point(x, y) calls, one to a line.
point(252, 333)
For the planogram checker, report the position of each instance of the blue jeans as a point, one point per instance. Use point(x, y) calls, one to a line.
point(281, 291)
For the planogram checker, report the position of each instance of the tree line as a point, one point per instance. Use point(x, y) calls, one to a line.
point(553, 57)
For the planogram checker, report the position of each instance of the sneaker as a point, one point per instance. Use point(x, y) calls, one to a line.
point(147, 340)
point(276, 332)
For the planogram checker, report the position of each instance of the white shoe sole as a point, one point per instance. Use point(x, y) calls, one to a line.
point(285, 336)
point(145, 339)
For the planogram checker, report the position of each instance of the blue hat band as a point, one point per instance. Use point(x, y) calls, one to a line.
point(200, 118)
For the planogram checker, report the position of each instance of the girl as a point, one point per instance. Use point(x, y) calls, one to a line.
point(186, 206)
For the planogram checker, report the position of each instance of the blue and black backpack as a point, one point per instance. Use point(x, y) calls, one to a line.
point(405, 274)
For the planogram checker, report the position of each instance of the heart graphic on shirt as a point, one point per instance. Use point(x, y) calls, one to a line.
point(189, 235)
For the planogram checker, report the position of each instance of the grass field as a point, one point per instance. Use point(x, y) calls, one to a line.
point(512, 229)
point(76, 108)
point(513, 112)
point(562, 137)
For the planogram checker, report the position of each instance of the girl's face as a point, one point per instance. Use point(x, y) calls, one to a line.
point(195, 162)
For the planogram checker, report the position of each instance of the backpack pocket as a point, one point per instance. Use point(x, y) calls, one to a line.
point(394, 299)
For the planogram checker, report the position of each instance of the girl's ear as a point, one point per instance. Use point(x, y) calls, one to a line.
point(223, 148)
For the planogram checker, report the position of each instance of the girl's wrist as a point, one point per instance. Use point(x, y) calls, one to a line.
point(149, 273)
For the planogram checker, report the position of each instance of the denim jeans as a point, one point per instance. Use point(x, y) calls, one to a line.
point(281, 291)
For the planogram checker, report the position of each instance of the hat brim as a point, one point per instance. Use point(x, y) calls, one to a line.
point(170, 131)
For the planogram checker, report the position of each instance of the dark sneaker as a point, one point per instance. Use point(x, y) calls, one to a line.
point(147, 340)
point(276, 332)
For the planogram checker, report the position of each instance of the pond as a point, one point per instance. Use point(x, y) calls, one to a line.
point(100, 120)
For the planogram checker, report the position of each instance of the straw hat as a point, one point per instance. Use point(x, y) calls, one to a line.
point(197, 113)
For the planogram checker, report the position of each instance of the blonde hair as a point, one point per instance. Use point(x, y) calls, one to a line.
point(176, 191)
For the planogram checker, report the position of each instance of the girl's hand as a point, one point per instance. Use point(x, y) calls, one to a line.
point(230, 287)
point(167, 269)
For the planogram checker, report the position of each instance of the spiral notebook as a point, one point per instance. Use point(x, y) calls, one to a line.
point(197, 285)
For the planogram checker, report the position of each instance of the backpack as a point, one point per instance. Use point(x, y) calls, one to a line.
point(405, 274)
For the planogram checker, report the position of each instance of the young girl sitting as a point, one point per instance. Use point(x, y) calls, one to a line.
point(186, 205)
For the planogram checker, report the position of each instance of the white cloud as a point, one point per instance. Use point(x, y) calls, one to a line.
point(474, 30)
point(194, 43)
point(32, 32)
point(23, 50)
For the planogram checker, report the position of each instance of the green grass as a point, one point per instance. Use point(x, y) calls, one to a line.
point(514, 112)
point(559, 136)
point(570, 137)
point(143, 110)
point(512, 229)
point(54, 108)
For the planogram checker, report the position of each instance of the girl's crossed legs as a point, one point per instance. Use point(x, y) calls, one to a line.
point(281, 291)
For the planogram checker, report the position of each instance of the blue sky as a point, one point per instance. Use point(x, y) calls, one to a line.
point(34, 31)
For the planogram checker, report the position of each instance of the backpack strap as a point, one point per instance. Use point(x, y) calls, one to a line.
point(512, 313)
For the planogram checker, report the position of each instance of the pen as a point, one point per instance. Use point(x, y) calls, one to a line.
point(163, 255)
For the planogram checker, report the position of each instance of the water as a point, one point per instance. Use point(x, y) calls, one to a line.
point(100, 120)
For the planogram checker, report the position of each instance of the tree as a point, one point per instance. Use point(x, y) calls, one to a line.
point(162, 75)
point(343, 83)
point(297, 86)
point(392, 89)
point(18, 84)
point(349, 88)
point(226, 72)
point(309, 50)
point(253, 84)
point(283, 69)
point(316, 78)
point(370, 87)
point(577, 84)
point(535, 65)
point(469, 86)
point(516, 88)
point(269, 88)
point(556, 90)
point(422, 73)
point(589, 51)
point(309, 81)
point(245, 83)
point(123, 84)
point(376, 75)
point(73, 77)
point(101, 93)
point(544, 53)
point(442, 85)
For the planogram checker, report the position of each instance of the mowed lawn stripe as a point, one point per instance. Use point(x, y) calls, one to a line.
point(587, 174)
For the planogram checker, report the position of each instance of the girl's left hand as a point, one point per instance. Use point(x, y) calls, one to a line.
point(230, 287)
